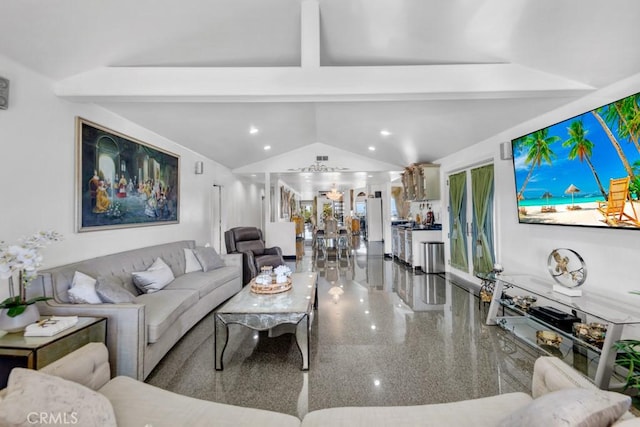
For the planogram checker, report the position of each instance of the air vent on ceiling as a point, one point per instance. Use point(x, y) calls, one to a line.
point(322, 158)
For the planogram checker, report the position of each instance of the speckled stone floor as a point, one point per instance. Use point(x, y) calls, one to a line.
point(392, 338)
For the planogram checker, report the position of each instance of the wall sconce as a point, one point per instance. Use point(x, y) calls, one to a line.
point(199, 168)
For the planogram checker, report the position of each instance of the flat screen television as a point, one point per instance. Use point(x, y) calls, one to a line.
point(583, 171)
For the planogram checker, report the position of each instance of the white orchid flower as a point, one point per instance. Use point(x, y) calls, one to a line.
point(5, 271)
point(25, 257)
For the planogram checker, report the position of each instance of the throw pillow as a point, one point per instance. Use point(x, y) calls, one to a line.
point(110, 290)
point(209, 258)
point(154, 278)
point(571, 407)
point(83, 290)
point(35, 398)
point(191, 261)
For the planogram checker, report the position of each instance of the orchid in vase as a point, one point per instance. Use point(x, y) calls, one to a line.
point(25, 259)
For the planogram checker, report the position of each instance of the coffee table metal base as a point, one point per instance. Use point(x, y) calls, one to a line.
point(263, 322)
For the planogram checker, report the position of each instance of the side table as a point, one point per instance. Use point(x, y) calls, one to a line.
point(16, 350)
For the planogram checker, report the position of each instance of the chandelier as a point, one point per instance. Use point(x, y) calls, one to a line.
point(334, 194)
point(318, 167)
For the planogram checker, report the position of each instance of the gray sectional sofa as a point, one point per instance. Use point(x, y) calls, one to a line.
point(139, 334)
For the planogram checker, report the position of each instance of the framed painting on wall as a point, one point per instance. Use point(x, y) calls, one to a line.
point(123, 182)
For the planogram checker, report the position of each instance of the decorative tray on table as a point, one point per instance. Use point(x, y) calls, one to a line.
point(273, 288)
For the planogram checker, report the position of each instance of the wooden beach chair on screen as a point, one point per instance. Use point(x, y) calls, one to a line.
point(613, 208)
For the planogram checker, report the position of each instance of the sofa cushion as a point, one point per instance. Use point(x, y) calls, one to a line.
point(163, 308)
point(35, 398)
point(204, 282)
point(139, 404)
point(154, 278)
point(487, 411)
point(573, 407)
point(208, 258)
point(83, 290)
point(110, 290)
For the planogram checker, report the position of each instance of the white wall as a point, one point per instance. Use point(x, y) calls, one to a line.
point(611, 256)
point(37, 169)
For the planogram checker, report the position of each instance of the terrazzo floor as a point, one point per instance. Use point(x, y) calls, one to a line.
point(392, 338)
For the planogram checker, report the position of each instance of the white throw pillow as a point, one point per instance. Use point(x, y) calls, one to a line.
point(154, 278)
point(571, 407)
point(83, 290)
point(192, 263)
point(35, 398)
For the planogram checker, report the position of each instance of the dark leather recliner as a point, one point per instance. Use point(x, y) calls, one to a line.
point(249, 242)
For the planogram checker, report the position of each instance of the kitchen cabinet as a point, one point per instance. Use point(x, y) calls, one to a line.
point(421, 181)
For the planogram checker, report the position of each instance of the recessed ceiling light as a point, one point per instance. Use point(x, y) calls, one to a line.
point(385, 132)
point(253, 175)
point(372, 148)
point(369, 176)
point(267, 147)
point(253, 130)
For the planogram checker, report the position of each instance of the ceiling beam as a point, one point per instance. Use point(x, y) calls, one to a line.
point(310, 33)
point(311, 84)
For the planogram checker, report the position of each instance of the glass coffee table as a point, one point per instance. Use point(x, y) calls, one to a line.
point(290, 311)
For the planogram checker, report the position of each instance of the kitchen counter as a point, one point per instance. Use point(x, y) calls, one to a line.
point(406, 242)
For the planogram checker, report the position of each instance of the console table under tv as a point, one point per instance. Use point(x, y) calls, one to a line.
point(589, 307)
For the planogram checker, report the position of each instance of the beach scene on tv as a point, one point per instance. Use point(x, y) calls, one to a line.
point(584, 171)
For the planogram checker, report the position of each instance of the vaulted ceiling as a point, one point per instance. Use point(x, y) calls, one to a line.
point(321, 75)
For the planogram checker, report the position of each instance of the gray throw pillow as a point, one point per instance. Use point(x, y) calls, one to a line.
point(208, 258)
point(571, 407)
point(111, 290)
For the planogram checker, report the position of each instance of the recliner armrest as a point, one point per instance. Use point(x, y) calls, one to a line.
point(273, 251)
point(249, 268)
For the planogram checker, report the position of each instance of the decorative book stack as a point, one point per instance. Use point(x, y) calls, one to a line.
point(50, 326)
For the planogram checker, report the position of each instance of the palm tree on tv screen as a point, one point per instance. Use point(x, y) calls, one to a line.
point(597, 113)
point(625, 113)
point(581, 148)
point(538, 145)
